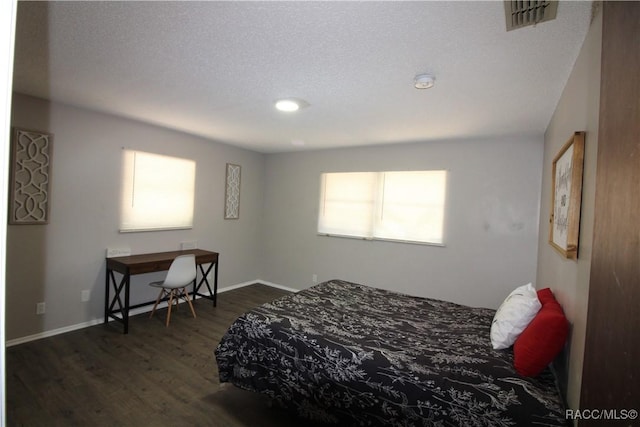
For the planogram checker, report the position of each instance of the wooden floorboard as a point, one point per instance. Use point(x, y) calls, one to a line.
point(155, 375)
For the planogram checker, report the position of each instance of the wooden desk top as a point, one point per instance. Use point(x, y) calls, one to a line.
point(159, 261)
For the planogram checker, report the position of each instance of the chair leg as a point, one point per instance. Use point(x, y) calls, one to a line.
point(169, 307)
point(157, 301)
point(186, 296)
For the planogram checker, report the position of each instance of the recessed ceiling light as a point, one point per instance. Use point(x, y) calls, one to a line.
point(291, 104)
point(287, 105)
point(424, 81)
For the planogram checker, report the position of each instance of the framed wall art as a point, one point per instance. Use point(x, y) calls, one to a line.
point(30, 178)
point(232, 192)
point(566, 188)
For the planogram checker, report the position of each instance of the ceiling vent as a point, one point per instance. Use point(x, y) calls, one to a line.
point(524, 13)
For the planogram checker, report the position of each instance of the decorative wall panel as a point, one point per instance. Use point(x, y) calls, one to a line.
point(30, 177)
point(232, 192)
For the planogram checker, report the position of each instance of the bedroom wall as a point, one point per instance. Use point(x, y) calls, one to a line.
point(577, 110)
point(55, 262)
point(490, 232)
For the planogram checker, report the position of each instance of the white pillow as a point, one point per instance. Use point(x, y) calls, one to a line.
point(513, 316)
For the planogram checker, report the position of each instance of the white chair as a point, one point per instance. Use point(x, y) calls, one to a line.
point(182, 273)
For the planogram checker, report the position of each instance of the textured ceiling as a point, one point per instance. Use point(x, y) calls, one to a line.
point(214, 69)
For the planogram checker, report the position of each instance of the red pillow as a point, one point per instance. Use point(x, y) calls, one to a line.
point(543, 339)
point(545, 295)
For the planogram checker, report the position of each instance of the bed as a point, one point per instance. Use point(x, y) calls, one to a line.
point(348, 354)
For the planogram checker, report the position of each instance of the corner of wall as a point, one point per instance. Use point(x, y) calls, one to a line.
point(577, 110)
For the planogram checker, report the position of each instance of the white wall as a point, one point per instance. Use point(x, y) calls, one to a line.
point(55, 262)
point(491, 229)
point(490, 233)
point(577, 110)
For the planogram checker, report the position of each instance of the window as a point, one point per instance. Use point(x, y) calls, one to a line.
point(405, 206)
point(157, 192)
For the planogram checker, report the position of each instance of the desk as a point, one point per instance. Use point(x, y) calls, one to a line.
point(147, 263)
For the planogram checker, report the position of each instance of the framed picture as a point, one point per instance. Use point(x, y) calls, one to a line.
point(566, 186)
point(30, 177)
point(232, 192)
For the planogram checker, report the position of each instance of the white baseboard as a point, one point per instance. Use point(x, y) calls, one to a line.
point(77, 326)
point(275, 285)
point(133, 312)
point(258, 281)
point(52, 332)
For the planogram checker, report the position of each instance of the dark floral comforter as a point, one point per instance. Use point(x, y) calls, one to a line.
point(348, 354)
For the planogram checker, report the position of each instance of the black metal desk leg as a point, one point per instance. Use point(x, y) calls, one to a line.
point(106, 297)
point(215, 285)
point(114, 305)
point(125, 312)
point(205, 280)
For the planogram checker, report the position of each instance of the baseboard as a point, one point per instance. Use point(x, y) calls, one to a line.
point(133, 312)
point(257, 281)
point(52, 332)
point(275, 285)
point(77, 326)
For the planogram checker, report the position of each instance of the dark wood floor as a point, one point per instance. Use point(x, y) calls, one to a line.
point(154, 376)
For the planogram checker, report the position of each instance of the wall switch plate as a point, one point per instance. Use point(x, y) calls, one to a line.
point(314, 278)
point(85, 295)
point(188, 245)
point(114, 252)
point(40, 308)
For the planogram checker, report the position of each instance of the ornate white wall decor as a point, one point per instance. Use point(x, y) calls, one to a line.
point(232, 192)
point(30, 177)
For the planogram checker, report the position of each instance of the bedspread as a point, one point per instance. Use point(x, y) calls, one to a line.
point(349, 354)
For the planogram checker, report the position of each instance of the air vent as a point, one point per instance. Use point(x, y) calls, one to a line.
point(524, 13)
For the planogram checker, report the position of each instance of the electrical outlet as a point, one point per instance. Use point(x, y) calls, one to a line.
point(40, 308)
point(115, 252)
point(85, 295)
point(314, 278)
point(188, 245)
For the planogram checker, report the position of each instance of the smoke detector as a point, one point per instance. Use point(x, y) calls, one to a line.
point(424, 81)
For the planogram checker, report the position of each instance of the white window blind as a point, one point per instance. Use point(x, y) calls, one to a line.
point(347, 204)
point(157, 192)
point(404, 206)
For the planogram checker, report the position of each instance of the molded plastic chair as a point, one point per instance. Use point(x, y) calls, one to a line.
point(182, 273)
